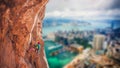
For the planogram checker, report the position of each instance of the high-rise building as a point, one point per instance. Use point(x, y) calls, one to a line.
point(98, 42)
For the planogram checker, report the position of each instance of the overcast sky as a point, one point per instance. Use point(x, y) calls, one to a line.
point(84, 9)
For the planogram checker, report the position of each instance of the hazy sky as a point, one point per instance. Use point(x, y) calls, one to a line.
point(84, 9)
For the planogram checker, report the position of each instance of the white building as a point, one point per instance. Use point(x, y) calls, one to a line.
point(98, 42)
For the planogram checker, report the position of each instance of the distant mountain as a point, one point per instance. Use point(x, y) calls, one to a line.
point(52, 21)
point(58, 21)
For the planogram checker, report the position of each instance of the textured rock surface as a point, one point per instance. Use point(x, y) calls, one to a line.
point(20, 29)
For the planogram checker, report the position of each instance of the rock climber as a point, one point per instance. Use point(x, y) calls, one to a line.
point(37, 46)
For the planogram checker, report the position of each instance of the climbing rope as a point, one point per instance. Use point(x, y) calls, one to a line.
point(37, 23)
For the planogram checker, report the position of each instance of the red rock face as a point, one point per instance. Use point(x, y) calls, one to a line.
point(20, 29)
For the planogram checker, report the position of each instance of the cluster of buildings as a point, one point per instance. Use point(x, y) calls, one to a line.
point(104, 54)
point(73, 37)
point(105, 51)
point(108, 57)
